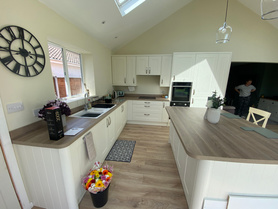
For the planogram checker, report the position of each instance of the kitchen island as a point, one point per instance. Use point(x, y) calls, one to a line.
point(215, 160)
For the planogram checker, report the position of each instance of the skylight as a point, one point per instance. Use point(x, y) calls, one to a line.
point(126, 6)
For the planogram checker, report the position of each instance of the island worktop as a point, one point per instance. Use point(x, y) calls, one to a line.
point(224, 141)
point(217, 160)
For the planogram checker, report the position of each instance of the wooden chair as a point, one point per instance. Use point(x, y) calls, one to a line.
point(265, 115)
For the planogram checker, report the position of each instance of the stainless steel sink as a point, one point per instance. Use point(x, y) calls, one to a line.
point(96, 111)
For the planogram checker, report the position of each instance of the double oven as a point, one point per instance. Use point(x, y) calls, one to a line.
point(181, 94)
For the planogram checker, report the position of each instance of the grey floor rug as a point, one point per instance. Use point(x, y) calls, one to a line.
point(121, 151)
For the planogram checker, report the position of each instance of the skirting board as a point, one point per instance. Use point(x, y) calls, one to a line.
point(252, 202)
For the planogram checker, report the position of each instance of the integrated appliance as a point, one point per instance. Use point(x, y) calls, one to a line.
point(117, 94)
point(181, 94)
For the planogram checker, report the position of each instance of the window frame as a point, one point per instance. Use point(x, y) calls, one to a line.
point(66, 74)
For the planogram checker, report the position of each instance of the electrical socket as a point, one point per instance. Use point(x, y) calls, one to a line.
point(15, 107)
point(36, 112)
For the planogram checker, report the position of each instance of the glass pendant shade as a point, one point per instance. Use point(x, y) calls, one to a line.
point(223, 34)
point(269, 9)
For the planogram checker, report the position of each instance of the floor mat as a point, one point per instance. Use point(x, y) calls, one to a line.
point(121, 151)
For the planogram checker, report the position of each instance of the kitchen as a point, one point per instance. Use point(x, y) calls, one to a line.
point(48, 26)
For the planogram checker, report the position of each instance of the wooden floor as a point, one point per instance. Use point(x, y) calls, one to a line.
point(150, 180)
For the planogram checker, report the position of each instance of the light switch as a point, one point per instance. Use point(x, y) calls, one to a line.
point(15, 107)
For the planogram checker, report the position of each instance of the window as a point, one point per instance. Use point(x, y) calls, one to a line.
point(126, 6)
point(66, 71)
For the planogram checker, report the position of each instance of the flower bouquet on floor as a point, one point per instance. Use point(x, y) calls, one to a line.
point(97, 182)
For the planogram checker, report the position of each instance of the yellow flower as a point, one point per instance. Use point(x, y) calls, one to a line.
point(99, 184)
point(109, 174)
point(96, 174)
point(93, 172)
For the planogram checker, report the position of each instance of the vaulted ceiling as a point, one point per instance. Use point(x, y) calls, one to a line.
point(102, 19)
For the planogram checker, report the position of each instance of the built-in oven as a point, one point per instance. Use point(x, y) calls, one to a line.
point(181, 94)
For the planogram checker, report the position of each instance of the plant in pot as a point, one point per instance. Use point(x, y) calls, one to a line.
point(213, 112)
point(97, 182)
point(65, 110)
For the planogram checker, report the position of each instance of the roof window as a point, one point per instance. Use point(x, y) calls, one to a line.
point(126, 6)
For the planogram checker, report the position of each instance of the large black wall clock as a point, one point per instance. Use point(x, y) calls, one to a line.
point(21, 52)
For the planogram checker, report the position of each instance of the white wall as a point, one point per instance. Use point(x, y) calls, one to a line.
point(46, 26)
point(193, 29)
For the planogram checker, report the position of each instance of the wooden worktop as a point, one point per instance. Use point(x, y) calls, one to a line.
point(224, 141)
point(37, 134)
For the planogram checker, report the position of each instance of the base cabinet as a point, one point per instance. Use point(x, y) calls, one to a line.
point(208, 179)
point(52, 177)
point(148, 112)
point(270, 106)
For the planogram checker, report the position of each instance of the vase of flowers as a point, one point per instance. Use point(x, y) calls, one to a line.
point(65, 110)
point(213, 112)
point(97, 182)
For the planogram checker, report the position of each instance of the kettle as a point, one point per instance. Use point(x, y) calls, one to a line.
point(115, 94)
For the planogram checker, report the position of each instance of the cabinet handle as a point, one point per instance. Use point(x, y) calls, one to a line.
point(109, 121)
point(122, 108)
point(174, 78)
point(133, 81)
point(163, 104)
point(146, 71)
point(146, 114)
point(147, 102)
point(149, 70)
point(146, 106)
point(193, 91)
point(161, 81)
point(125, 80)
point(192, 100)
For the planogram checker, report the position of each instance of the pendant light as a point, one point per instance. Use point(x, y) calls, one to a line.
point(223, 34)
point(269, 9)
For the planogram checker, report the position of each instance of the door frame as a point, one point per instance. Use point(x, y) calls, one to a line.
point(11, 161)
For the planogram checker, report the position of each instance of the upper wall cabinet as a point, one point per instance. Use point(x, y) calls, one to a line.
point(124, 70)
point(148, 65)
point(166, 66)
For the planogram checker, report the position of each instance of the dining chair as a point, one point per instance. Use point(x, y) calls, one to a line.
point(265, 115)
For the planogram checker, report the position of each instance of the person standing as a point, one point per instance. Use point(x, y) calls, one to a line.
point(244, 91)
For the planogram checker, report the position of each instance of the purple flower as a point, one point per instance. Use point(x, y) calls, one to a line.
point(65, 110)
point(103, 178)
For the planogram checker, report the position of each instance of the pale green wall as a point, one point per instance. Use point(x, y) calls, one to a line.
point(193, 29)
point(46, 26)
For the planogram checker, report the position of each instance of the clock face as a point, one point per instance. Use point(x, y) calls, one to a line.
point(21, 52)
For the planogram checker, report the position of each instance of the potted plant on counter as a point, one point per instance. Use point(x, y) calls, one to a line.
point(97, 182)
point(213, 112)
point(65, 110)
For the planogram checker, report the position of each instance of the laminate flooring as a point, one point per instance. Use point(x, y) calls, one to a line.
point(151, 180)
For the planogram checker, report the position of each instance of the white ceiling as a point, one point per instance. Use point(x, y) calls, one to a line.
point(117, 31)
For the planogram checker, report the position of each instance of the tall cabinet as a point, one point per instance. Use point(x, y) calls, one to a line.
point(208, 72)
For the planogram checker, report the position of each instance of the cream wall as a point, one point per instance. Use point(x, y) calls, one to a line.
point(193, 29)
point(46, 26)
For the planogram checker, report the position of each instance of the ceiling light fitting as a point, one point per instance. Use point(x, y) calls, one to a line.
point(223, 34)
point(269, 9)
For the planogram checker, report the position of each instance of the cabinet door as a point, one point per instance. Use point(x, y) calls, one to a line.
point(183, 67)
point(204, 82)
point(101, 140)
point(142, 67)
point(131, 71)
point(119, 70)
point(221, 73)
point(118, 121)
point(166, 66)
point(111, 129)
point(165, 116)
point(154, 65)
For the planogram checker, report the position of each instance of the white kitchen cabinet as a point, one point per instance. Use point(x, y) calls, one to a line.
point(183, 67)
point(119, 70)
point(60, 174)
point(124, 70)
point(166, 66)
point(148, 65)
point(121, 118)
point(148, 112)
point(208, 72)
point(165, 116)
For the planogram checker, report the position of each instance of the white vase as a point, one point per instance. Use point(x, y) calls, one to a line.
point(64, 120)
point(213, 115)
